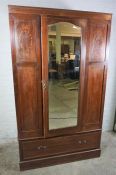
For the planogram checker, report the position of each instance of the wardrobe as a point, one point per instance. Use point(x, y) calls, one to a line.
point(59, 102)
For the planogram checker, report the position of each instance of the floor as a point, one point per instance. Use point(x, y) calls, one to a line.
point(105, 165)
point(63, 103)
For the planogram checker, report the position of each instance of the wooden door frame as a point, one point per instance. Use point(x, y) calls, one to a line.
point(45, 20)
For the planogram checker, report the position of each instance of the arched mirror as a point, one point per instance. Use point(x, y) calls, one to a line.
point(64, 42)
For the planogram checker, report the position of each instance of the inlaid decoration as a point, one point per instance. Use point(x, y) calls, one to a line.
point(98, 41)
point(24, 37)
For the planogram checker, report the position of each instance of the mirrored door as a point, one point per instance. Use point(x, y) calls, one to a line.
point(64, 57)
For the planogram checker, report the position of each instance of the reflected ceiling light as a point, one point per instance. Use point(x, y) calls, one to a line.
point(74, 27)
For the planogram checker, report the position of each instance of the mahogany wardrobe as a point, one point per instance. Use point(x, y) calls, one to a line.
point(59, 60)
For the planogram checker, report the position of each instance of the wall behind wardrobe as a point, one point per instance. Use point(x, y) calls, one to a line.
point(7, 104)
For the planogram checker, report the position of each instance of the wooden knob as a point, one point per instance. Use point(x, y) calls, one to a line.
point(85, 141)
point(41, 147)
point(79, 141)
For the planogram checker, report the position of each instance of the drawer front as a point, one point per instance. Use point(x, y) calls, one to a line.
point(59, 145)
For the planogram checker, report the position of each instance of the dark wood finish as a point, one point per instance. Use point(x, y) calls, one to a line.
point(25, 35)
point(25, 39)
point(27, 99)
point(97, 41)
point(105, 69)
point(60, 145)
point(93, 98)
point(38, 146)
point(96, 73)
point(54, 160)
point(69, 130)
point(44, 44)
point(59, 12)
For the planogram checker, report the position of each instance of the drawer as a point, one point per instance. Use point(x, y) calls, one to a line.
point(59, 145)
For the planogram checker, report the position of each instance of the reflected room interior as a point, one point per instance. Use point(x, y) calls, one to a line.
point(64, 42)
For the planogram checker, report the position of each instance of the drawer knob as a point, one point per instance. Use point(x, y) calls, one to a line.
point(41, 147)
point(79, 141)
point(85, 141)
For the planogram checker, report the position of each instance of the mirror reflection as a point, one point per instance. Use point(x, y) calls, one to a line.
point(64, 41)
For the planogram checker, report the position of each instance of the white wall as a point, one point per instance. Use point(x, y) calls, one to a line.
point(7, 106)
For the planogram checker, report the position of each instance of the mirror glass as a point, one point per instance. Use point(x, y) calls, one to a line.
point(64, 53)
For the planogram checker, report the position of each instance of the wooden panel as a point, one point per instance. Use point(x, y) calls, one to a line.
point(29, 110)
point(25, 37)
point(93, 98)
point(59, 12)
point(97, 42)
point(58, 145)
point(26, 59)
point(54, 160)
